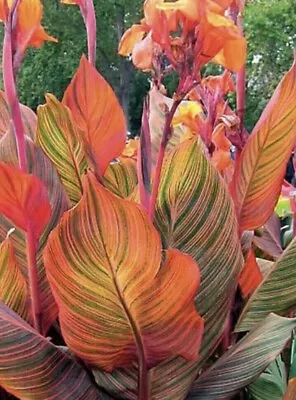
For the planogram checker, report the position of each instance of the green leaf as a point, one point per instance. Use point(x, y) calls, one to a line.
point(194, 214)
point(271, 384)
point(60, 139)
point(244, 361)
point(33, 368)
point(121, 178)
point(275, 294)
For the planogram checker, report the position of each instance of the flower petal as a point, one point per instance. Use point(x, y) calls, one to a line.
point(132, 36)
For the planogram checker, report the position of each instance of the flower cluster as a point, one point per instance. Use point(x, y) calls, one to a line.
point(185, 34)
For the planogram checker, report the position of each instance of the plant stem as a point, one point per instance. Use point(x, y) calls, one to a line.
point(89, 16)
point(167, 130)
point(11, 93)
point(32, 245)
point(241, 81)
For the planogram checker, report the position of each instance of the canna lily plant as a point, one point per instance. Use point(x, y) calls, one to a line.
point(150, 268)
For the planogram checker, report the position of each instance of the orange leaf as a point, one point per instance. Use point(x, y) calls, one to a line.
point(251, 277)
point(98, 114)
point(117, 302)
point(262, 164)
point(23, 199)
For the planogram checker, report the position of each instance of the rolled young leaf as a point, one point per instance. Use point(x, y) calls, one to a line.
point(245, 360)
point(97, 113)
point(33, 368)
point(261, 166)
point(117, 304)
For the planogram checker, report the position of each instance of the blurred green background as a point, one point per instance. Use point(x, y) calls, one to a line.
point(270, 27)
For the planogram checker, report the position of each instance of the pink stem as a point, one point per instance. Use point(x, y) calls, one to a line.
point(11, 92)
point(89, 16)
point(164, 141)
point(32, 245)
point(241, 82)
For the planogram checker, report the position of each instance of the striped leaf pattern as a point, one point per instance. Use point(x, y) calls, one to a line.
point(40, 166)
point(13, 286)
point(97, 113)
point(195, 215)
point(244, 361)
point(33, 368)
point(116, 302)
point(262, 164)
point(121, 177)
point(28, 117)
point(61, 141)
point(271, 384)
point(275, 294)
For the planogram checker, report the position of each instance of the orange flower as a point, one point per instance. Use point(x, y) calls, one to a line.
point(224, 83)
point(29, 31)
point(221, 42)
point(210, 34)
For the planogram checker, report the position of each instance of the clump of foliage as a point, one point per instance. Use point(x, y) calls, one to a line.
point(150, 268)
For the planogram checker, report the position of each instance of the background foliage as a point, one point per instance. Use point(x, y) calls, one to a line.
point(270, 30)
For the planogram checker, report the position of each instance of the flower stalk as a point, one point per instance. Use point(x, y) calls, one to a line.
point(87, 10)
point(10, 89)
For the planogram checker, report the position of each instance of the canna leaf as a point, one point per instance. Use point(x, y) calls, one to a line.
point(270, 239)
point(61, 141)
point(195, 215)
point(33, 368)
point(275, 294)
point(121, 177)
point(271, 384)
point(113, 299)
point(23, 199)
point(262, 164)
point(158, 105)
point(250, 277)
point(40, 166)
point(98, 115)
point(245, 360)
point(13, 291)
point(28, 117)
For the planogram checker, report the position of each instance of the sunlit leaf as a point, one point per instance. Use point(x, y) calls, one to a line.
point(33, 368)
point(117, 304)
point(61, 141)
point(262, 164)
point(275, 294)
point(97, 113)
point(121, 177)
point(245, 360)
